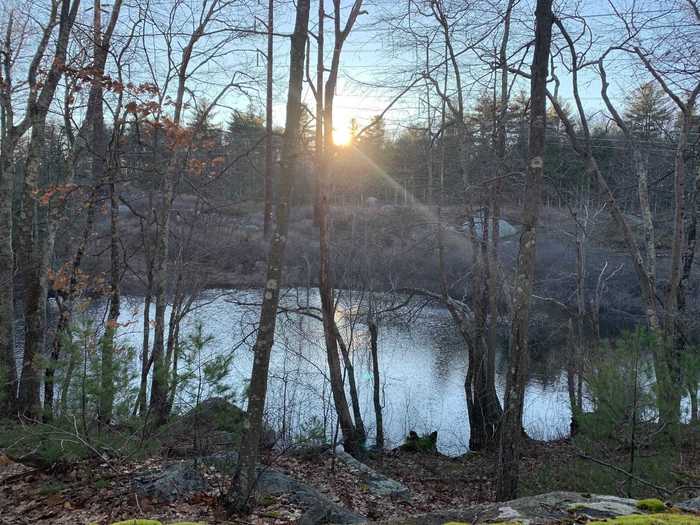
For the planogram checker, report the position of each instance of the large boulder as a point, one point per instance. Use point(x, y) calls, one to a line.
point(691, 505)
point(319, 509)
point(214, 425)
point(555, 507)
point(181, 480)
point(376, 483)
point(176, 481)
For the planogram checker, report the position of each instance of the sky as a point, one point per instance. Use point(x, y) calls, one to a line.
point(376, 55)
point(379, 59)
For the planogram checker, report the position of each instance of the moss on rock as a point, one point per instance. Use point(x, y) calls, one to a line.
point(138, 522)
point(651, 519)
point(651, 505)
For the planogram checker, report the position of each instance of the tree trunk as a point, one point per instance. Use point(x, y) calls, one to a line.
point(350, 436)
point(511, 430)
point(159, 380)
point(107, 344)
point(374, 337)
point(63, 327)
point(35, 232)
point(352, 383)
point(267, 212)
point(32, 232)
point(146, 360)
point(176, 159)
point(8, 365)
point(244, 478)
point(319, 115)
point(673, 352)
point(107, 162)
point(688, 259)
point(145, 351)
point(571, 369)
point(67, 379)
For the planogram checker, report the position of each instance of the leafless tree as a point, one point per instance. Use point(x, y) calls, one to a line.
point(245, 476)
point(511, 429)
point(351, 438)
point(36, 245)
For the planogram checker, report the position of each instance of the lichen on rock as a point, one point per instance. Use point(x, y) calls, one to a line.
point(651, 519)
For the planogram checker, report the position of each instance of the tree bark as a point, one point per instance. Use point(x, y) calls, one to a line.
point(511, 430)
point(351, 438)
point(34, 229)
point(374, 337)
point(267, 212)
point(352, 384)
point(8, 365)
point(244, 477)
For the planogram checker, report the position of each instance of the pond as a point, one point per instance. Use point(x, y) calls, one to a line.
point(421, 357)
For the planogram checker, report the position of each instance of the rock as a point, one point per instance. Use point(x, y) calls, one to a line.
point(176, 481)
point(376, 483)
point(691, 505)
point(214, 425)
point(309, 452)
point(319, 508)
point(224, 462)
point(564, 507)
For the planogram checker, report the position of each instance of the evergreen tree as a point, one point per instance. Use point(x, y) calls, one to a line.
point(648, 111)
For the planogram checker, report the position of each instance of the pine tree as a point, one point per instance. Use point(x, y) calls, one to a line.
point(648, 111)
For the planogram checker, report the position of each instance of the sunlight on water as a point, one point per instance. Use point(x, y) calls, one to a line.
point(423, 365)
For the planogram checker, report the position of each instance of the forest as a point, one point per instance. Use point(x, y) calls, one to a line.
point(349, 261)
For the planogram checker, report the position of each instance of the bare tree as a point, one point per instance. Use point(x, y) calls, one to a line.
point(36, 244)
point(245, 477)
point(511, 429)
point(483, 406)
point(351, 438)
point(91, 134)
point(269, 161)
point(661, 315)
point(209, 15)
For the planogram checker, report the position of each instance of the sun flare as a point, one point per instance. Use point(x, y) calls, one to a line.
point(342, 136)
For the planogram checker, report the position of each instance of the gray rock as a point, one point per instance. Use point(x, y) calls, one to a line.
point(319, 508)
point(224, 462)
point(535, 510)
point(212, 426)
point(376, 483)
point(176, 481)
point(691, 505)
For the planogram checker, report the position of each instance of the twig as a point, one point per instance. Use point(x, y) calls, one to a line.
point(658, 488)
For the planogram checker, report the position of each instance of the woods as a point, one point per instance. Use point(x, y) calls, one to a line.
point(460, 230)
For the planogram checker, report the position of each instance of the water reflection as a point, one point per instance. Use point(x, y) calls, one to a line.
point(422, 362)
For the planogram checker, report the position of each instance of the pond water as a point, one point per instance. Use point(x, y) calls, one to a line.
point(422, 364)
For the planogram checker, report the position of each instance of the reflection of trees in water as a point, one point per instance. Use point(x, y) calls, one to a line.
point(423, 365)
point(447, 346)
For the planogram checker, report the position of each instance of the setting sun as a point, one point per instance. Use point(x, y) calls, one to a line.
point(342, 136)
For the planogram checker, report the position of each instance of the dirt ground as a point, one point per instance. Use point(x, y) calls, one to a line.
point(101, 493)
